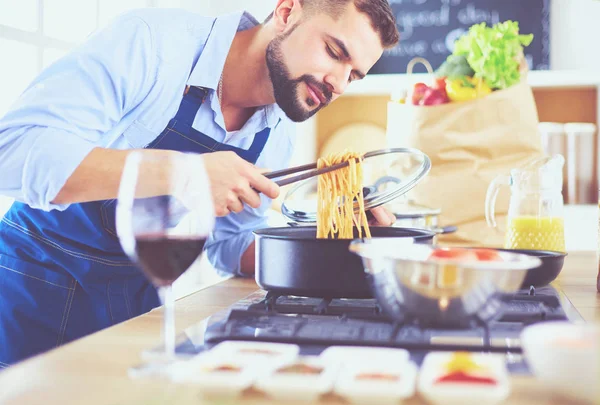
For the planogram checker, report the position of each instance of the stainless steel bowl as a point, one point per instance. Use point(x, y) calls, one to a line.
point(439, 292)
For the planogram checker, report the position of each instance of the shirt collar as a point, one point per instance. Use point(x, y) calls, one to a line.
point(274, 114)
point(209, 67)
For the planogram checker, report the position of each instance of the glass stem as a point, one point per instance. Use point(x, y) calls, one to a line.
point(166, 296)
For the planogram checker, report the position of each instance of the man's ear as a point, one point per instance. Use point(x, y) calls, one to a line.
point(287, 13)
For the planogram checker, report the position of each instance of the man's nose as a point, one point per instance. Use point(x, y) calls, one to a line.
point(338, 81)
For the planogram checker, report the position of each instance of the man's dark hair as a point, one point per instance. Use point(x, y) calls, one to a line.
point(379, 11)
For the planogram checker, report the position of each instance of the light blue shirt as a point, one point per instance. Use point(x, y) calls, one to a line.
point(119, 90)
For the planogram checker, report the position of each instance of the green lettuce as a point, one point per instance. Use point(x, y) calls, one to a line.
point(494, 52)
point(455, 66)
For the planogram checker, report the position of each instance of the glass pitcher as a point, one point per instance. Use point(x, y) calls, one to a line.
point(535, 213)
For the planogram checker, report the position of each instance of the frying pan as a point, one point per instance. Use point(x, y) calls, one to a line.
point(292, 261)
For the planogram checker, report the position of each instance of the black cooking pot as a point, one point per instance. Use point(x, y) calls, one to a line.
point(292, 261)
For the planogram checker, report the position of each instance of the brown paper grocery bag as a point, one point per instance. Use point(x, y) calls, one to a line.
point(469, 144)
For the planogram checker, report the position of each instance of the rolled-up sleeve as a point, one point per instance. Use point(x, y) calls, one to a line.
point(232, 237)
point(70, 107)
point(234, 233)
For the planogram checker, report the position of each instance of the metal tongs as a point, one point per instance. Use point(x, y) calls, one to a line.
point(313, 171)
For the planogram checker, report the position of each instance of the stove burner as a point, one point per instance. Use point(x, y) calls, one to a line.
point(326, 322)
point(284, 304)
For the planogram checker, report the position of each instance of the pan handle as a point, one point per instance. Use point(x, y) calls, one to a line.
point(445, 230)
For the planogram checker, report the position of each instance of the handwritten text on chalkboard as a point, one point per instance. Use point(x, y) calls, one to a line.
point(429, 28)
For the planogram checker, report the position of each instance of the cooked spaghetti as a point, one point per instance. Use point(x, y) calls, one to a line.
point(337, 192)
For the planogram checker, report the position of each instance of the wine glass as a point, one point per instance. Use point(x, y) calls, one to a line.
point(164, 216)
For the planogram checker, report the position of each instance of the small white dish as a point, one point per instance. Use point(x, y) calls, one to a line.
point(256, 351)
point(377, 382)
point(223, 377)
point(301, 380)
point(491, 366)
point(565, 357)
point(356, 354)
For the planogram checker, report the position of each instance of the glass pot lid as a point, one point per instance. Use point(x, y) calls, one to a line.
point(403, 208)
point(387, 175)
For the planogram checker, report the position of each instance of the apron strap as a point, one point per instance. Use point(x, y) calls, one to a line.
point(260, 140)
point(190, 104)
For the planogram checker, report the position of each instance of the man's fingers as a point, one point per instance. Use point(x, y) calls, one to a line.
point(381, 216)
point(392, 216)
point(250, 197)
point(221, 211)
point(259, 182)
point(235, 206)
point(263, 185)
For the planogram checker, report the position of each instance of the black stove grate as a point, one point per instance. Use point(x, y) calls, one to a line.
point(527, 307)
point(313, 321)
point(283, 304)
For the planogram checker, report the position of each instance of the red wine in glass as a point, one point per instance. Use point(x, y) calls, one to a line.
point(164, 258)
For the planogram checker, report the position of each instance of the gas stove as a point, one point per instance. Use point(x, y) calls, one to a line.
point(315, 324)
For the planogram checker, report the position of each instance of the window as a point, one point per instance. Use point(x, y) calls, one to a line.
point(35, 33)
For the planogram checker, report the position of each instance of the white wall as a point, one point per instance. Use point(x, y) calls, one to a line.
point(574, 32)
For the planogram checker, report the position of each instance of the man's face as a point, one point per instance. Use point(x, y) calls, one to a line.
point(311, 63)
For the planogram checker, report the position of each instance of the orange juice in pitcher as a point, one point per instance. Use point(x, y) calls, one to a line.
point(535, 233)
point(535, 214)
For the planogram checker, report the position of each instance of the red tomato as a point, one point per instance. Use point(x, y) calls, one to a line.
point(418, 93)
point(453, 254)
point(487, 255)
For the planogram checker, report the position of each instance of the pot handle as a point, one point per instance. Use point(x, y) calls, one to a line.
point(490, 198)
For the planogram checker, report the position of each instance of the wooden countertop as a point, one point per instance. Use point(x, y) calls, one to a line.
point(93, 370)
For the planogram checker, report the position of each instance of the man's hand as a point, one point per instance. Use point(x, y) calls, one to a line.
point(382, 217)
point(233, 182)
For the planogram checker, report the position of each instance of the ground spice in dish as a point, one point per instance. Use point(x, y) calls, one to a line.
point(379, 377)
point(300, 369)
point(259, 351)
point(227, 368)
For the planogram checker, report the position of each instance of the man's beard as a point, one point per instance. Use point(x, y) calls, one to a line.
point(286, 88)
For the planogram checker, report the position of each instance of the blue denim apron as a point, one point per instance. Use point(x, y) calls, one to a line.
point(63, 274)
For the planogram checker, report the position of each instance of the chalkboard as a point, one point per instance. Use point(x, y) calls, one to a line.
point(428, 28)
